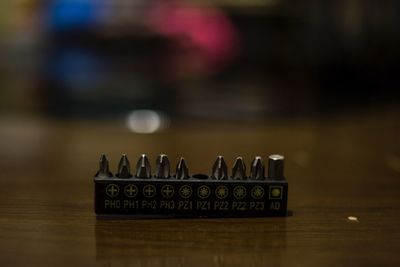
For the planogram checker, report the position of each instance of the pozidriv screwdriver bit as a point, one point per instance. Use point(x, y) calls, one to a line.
point(239, 169)
point(182, 171)
point(257, 171)
point(219, 169)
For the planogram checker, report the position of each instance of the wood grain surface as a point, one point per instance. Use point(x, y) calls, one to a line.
point(344, 177)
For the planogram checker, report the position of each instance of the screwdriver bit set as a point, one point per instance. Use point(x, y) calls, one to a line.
point(161, 194)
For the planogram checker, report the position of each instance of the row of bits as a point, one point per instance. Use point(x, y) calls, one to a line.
point(257, 169)
point(219, 169)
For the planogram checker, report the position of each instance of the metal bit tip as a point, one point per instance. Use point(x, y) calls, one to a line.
point(276, 167)
point(104, 171)
point(257, 169)
point(162, 167)
point(143, 169)
point(239, 169)
point(182, 171)
point(219, 169)
point(124, 168)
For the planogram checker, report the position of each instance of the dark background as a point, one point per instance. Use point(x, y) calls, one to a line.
point(215, 60)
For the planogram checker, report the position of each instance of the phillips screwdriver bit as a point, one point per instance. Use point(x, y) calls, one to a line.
point(162, 167)
point(239, 169)
point(104, 171)
point(275, 167)
point(182, 171)
point(257, 169)
point(124, 168)
point(219, 169)
point(143, 169)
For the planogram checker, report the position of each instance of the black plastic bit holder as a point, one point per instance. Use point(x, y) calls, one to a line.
point(193, 197)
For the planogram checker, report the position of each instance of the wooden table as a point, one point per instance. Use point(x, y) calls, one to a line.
point(344, 177)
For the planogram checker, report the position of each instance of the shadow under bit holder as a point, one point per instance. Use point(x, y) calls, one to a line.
point(162, 195)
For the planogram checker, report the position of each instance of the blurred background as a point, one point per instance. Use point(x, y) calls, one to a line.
point(207, 60)
point(149, 66)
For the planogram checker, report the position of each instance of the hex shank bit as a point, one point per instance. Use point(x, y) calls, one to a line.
point(276, 167)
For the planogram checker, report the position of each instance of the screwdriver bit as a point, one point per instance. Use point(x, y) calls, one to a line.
point(219, 169)
point(104, 171)
point(257, 169)
point(182, 171)
point(220, 194)
point(275, 167)
point(239, 169)
point(124, 168)
point(162, 167)
point(143, 169)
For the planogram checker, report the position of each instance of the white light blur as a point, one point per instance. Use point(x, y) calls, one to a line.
point(145, 121)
